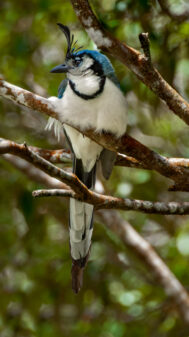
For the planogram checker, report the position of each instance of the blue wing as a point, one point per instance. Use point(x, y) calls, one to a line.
point(62, 88)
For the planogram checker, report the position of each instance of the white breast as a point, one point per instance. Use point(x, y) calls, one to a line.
point(84, 148)
point(87, 84)
point(105, 112)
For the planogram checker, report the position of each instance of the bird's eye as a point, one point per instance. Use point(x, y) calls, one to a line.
point(77, 62)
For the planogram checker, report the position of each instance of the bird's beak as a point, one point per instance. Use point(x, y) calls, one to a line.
point(62, 68)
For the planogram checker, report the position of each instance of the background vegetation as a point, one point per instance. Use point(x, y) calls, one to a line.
point(120, 296)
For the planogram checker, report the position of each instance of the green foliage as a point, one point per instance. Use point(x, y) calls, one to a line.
point(120, 296)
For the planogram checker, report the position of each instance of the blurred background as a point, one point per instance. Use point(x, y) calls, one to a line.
point(120, 296)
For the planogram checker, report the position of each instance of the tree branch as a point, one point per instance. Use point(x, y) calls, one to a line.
point(54, 156)
point(41, 163)
point(171, 285)
point(101, 201)
point(177, 17)
point(80, 191)
point(27, 98)
point(126, 144)
point(63, 156)
point(134, 60)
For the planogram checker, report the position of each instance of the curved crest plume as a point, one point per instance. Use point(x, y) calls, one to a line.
point(70, 38)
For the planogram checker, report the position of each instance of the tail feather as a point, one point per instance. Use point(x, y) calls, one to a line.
point(81, 227)
point(77, 273)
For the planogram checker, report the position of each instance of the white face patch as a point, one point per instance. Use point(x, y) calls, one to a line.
point(86, 63)
point(83, 77)
point(83, 68)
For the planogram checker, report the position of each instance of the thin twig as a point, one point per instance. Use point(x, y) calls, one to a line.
point(101, 201)
point(145, 44)
point(53, 193)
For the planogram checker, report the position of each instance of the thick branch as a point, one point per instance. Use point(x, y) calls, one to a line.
point(171, 285)
point(177, 17)
point(152, 160)
point(27, 98)
point(82, 193)
point(125, 144)
point(134, 60)
point(64, 156)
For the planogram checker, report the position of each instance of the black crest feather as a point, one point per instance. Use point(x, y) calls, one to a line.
point(70, 38)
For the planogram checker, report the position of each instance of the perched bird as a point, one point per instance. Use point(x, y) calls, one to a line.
point(90, 97)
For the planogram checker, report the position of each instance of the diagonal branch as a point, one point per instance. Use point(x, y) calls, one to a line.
point(47, 167)
point(27, 99)
point(135, 61)
point(149, 158)
point(126, 144)
point(171, 285)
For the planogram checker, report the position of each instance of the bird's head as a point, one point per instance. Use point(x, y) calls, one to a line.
point(79, 62)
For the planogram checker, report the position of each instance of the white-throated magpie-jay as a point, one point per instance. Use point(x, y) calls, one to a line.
point(90, 97)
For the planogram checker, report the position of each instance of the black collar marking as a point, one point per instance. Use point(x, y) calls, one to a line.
point(86, 97)
point(97, 69)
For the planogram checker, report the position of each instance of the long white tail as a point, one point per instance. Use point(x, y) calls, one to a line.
point(81, 229)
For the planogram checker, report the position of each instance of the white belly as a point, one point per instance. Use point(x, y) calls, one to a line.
point(105, 112)
point(84, 148)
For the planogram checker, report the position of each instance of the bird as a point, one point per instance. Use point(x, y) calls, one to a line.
point(88, 98)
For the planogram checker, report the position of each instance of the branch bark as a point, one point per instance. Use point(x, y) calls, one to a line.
point(63, 156)
point(170, 284)
point(101, 201)
point(126, 144)
point(41, 163)
point(134, 60)
point(80, 191)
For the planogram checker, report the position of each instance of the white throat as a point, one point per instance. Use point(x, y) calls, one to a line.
point(87, 84)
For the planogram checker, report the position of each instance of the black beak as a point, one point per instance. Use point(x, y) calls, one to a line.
point(62, 68)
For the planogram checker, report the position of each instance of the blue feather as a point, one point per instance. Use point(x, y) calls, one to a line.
point(62, 88)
